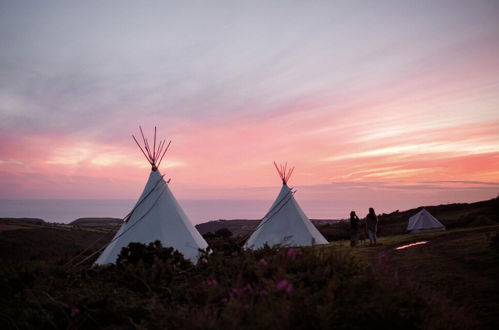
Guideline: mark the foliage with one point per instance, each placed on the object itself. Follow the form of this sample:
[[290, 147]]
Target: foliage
[[494, 241], [314, 288], [154, 287]]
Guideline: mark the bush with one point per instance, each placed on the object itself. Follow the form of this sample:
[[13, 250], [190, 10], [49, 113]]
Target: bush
[[494, 241], [155, 287], [481, 220], [136, 253]]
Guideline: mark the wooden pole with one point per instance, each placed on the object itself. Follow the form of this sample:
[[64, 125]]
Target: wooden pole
[[142, 150], [277, 169], [146, 146], [160, 147], [154, 148], [289, 174], [166, 149], [149, 150]]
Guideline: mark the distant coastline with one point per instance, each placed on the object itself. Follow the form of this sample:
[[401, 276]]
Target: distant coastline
[[198, 211], [453, 215]]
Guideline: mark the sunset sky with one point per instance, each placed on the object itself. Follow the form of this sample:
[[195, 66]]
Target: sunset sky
[[385, 103]]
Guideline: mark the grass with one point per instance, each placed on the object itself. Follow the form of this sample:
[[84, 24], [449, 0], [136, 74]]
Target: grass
[[449, 283], [458, 267], [459, 264], [46, 243]]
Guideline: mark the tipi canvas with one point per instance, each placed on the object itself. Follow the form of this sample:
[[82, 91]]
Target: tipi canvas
[[423, 221], [285, 223], [156, 216]]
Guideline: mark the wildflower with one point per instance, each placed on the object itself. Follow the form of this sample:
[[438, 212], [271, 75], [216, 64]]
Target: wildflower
[[262, 292], [292, 254], [247, 288], [263, 262], [234, 293], [284, 285], [383, 258], [74, 311], [212, 282]]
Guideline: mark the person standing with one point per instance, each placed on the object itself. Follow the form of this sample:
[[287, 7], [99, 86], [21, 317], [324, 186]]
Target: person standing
[[354, 229], [362, 232], [372, 226]]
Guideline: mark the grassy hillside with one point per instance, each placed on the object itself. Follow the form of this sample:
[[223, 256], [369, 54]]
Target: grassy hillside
[[462, 266], [242, 227], [152, 287], [450, 282], [457, 268], [236, 226], [55, 244], [451, 215], [20, 223], [459, 215], [27, 221], [110, 223]]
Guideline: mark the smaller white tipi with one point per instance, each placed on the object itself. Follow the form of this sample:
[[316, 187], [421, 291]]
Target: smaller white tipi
[[156, 216], [423, 221], [285, 223]]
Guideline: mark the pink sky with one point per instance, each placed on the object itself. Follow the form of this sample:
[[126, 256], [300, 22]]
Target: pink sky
[[395, 105]]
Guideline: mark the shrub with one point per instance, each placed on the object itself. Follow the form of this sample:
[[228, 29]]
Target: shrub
[[494, 241], [155, 287], [481, 220], [149, 254]]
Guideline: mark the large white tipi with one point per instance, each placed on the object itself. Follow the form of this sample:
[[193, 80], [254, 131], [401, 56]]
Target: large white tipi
[[156, 216], [285, 223], [423, 221]]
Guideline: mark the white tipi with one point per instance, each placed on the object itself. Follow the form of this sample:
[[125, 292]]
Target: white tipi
[[285, 223], [423, 221], [156, 216]]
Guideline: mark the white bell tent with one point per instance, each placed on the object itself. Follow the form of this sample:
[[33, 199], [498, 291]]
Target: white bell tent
[[423, 221], [285, 223], [156, 216]]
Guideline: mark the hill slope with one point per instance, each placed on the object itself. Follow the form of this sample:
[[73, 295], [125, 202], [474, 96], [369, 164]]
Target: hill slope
[[97, 222], [457, 215], [451, 215]]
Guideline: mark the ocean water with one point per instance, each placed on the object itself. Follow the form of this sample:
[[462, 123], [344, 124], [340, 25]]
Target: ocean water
[[198, 211]]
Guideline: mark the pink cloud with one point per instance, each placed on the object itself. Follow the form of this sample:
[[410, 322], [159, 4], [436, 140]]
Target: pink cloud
[[435, 120]]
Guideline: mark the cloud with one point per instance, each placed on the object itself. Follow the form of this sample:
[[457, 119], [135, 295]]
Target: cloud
[[323, 86], [431, 148]]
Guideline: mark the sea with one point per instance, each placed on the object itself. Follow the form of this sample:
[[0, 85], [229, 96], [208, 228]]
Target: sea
[[198, 211]]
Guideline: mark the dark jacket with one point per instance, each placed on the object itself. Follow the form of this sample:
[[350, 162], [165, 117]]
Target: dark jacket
[[354, 223], [372, 222]]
